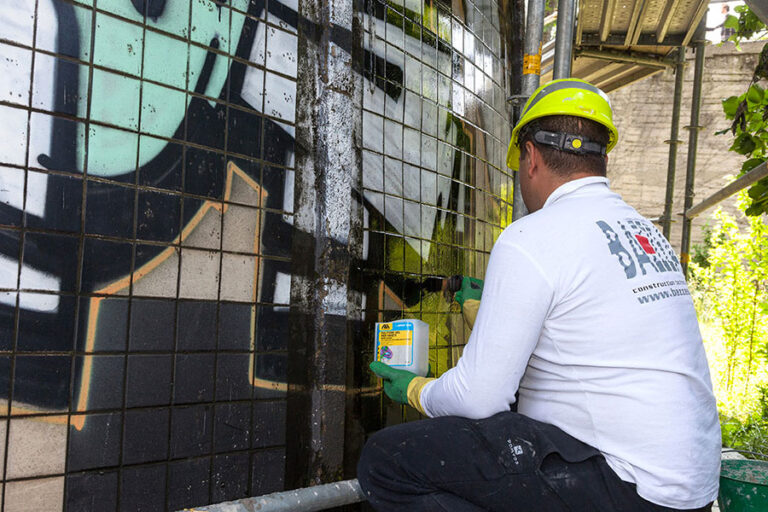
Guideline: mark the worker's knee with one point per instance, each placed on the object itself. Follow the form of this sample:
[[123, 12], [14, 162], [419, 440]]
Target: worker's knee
[[374, 459], [392, 457], [415, 450]]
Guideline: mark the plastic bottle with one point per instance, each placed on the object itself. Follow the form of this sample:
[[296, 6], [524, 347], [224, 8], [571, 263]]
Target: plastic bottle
[[403, 344]]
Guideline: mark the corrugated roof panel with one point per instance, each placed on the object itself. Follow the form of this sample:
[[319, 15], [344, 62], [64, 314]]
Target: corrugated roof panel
[[591, 15], [637, 22], [622, 15], [652, 14], [683, 15], [621, 41]]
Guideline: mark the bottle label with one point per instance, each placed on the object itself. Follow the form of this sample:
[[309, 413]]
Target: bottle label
[[394, 343]]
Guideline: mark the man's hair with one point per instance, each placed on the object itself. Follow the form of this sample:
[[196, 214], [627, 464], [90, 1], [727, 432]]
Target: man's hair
[[564, 163]]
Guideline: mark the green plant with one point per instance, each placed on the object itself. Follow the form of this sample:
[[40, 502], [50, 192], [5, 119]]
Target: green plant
[[701, 251], [729, 282], [749, 111], [750, 436], [746, 25]]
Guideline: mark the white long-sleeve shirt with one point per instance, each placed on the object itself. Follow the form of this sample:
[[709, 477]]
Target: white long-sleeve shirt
[[586, 312]]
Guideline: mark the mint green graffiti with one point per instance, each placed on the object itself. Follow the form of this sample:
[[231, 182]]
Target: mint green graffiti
[[128, 48]]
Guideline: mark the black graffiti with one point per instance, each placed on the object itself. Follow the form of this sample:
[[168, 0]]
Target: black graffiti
[[151, 8]]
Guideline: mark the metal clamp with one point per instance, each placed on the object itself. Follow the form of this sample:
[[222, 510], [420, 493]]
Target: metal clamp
[[517, 99]]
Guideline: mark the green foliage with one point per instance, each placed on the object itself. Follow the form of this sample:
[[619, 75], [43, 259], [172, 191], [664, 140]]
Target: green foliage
[[701, 251], [751, 434], [749, 112], [747, 25], [729, 281]]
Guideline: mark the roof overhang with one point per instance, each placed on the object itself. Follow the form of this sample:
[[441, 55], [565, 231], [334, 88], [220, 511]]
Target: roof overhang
[[617, 42]]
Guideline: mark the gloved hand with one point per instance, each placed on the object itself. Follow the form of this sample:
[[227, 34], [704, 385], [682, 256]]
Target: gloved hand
[[471, 289], [395, 381]]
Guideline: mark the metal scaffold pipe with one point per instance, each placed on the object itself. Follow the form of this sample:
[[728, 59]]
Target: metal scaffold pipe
[[693, 141], [534, 27], [753, 176], [619, 56], [566, 15], [307, 499], [673, 141]]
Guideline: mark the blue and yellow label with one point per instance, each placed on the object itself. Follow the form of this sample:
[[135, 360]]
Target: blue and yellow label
[[394, 343]]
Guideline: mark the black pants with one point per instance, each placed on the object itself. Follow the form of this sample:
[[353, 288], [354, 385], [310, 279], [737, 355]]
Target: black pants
[[506, 463]]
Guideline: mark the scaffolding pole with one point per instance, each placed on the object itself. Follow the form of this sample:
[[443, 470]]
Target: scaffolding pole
[[566, 15], [693, 140], [307, 499], [753, 176], [673, 141], [534, 27]]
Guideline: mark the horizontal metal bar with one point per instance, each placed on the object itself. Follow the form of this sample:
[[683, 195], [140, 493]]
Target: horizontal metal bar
[[306, 499], [697, 17], [593, 39], [629, 57], [756, 174], [630, 78], [605, 29]]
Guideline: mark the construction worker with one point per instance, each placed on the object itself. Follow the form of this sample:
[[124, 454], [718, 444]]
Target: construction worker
[[586, 314]]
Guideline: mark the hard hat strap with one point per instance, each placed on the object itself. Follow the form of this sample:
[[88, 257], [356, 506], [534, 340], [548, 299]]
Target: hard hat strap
[[569, 142]]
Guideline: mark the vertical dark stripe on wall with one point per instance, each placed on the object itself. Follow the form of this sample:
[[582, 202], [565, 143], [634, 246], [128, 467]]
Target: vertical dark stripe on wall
[[327, 172], [63, 148]]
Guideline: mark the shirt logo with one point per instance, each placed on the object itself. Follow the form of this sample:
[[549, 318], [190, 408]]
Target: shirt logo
[[639, 254], [645, 244]]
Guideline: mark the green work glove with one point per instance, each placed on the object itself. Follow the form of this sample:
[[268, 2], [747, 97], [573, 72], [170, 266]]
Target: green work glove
[[471, 289], [395, 381]]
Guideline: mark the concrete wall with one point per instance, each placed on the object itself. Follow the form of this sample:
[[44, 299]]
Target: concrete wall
[[642, 112], [191, 265]]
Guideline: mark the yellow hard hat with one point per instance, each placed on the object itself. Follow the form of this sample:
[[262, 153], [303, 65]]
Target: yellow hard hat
[[564, 97]]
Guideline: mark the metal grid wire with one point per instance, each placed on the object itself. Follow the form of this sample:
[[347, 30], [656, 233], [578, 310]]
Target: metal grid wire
[[436, 189], [145, 219], [146, 214]]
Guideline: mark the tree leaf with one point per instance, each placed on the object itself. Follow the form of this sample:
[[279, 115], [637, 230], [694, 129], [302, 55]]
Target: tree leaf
[[743, 144], [751, 164], [731, 21], [757, 191], [755, 94], [730, 105]]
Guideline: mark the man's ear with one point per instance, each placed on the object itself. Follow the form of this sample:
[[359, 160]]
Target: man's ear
[[534, 158]]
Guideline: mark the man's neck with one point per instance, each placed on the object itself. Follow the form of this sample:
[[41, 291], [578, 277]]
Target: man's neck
[[556, 181]]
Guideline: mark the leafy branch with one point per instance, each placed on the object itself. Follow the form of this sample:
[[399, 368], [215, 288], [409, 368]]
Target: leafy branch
[[729, 283], [746, 25], [749, 111]]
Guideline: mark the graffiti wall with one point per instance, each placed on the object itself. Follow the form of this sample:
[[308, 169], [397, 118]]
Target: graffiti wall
[[147, 163], [435, 130]]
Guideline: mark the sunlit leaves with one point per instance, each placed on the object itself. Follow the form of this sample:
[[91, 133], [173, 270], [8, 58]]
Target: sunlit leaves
[[746, 25], [730, 287], [749, 112]]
